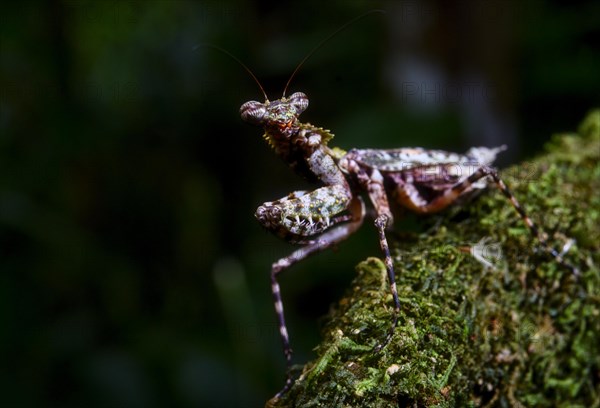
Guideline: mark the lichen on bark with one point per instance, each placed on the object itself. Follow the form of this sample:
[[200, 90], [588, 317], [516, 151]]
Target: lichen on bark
[[523, 332]]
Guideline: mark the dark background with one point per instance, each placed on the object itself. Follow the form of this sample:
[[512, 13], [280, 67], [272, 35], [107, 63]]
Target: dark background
[[132, 271]]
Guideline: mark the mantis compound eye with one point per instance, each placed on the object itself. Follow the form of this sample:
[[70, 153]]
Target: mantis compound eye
[[253, 112], [299, 101]]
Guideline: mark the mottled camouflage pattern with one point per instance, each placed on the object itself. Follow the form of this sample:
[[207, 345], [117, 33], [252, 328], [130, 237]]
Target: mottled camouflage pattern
[[420, 180]]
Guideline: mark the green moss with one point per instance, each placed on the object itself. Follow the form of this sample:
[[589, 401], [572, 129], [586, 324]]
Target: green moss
[[524, 333]]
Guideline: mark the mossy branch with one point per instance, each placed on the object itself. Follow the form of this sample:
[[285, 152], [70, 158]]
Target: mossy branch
[[523, 332]]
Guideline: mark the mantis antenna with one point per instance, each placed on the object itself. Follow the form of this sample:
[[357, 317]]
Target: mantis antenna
[[329, 37], [310, 54], [224, 51]]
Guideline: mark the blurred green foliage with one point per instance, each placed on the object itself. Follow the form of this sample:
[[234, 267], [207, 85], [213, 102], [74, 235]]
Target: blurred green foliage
[[132, 272]]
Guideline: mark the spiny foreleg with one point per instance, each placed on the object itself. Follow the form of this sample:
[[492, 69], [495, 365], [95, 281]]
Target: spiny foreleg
[[301, 215], [326, 240]]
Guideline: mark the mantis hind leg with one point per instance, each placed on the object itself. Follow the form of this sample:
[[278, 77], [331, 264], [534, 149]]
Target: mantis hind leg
[[449, 196]]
